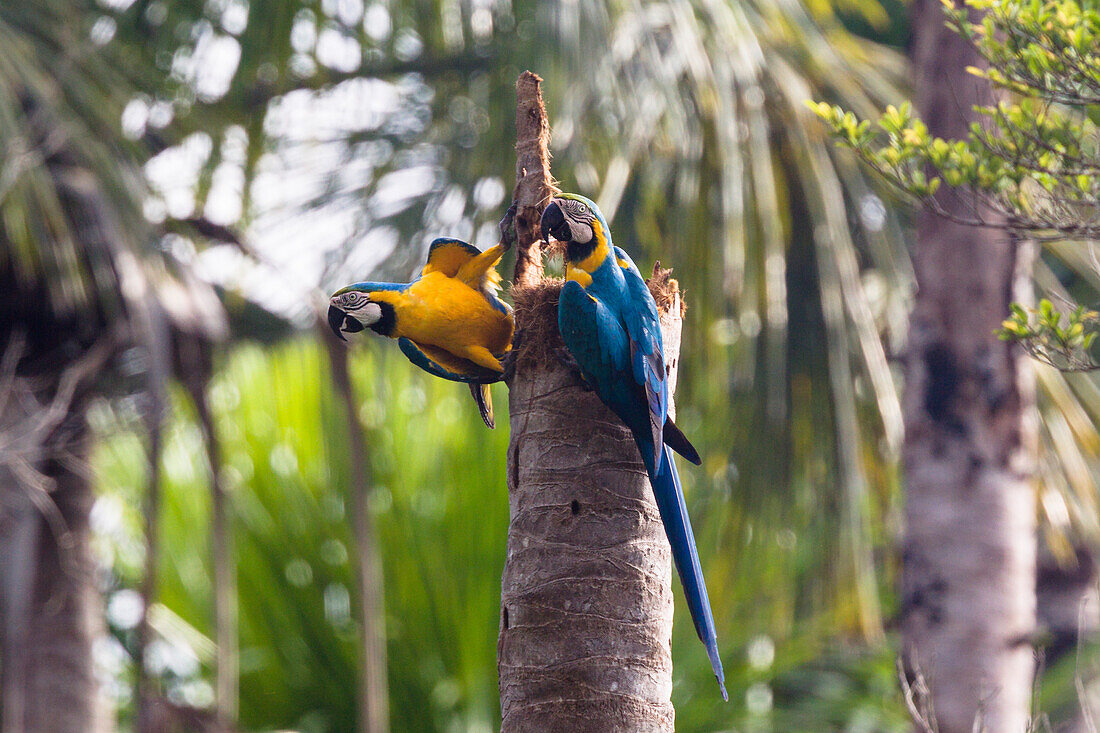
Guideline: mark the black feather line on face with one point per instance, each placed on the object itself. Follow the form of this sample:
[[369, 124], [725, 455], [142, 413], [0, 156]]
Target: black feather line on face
[[573, 209], [385, 325], [575, 251]]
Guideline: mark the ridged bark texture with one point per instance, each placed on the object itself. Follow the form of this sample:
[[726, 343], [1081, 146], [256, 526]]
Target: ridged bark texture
[[586, 604], [968, 579]]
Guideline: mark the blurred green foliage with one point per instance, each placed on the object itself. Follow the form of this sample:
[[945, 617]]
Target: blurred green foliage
[[1032, 157], [440, 506], [441, 510]]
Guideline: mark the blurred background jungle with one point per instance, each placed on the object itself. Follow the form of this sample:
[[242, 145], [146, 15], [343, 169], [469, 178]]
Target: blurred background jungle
[[182, 183]]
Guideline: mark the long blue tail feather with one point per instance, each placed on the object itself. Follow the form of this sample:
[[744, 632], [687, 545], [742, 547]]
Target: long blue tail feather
[[670, 503]]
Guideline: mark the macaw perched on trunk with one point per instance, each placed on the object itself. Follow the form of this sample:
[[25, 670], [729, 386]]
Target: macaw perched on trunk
[[609, 322], [448, 321]]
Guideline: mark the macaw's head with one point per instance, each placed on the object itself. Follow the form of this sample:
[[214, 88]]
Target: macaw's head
[[363, 305], [577, 222]]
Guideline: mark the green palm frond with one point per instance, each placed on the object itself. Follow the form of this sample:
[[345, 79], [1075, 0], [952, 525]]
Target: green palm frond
[[77, 254], [1069, 408], [59, 109]]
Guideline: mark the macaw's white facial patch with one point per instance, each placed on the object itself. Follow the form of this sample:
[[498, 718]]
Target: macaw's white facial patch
[[572, 208], [582, 233], [369, 314]]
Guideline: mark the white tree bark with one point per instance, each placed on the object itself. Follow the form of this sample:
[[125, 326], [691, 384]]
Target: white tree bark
[[968, 585]]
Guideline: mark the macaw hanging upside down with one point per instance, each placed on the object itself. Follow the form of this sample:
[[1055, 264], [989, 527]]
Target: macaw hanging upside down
[[609, 323], [448, 321]]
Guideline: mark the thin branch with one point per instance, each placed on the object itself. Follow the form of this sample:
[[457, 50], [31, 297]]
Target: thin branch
[[259, 95], [918, 699]]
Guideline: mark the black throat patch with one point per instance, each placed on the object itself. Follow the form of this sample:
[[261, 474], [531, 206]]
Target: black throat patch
[[385, 325], [575, 251]]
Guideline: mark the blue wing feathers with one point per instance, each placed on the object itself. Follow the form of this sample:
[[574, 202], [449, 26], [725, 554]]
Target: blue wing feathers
[[670, 503], [613, 331], [644, 326], [497, 303], [591, 333], [678, 442], [473, 373]]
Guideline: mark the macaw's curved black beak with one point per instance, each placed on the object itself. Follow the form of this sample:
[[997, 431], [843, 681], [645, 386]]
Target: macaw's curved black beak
[[554, 224], [336, 321], [342, 323]]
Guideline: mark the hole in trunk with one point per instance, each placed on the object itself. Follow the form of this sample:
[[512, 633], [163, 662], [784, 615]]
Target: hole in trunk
[[506, 617], [575, 507]]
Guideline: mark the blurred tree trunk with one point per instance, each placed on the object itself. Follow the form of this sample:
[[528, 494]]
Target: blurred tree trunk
[[586, 599], [194, 356], [968, 579], [49, 602], [144, 693], [62, 692], [374, 710]]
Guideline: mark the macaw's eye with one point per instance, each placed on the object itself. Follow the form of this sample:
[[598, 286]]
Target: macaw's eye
[[352, 300], [574, 207]]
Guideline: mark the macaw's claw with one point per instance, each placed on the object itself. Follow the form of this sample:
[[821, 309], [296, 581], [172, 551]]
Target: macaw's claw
[[508, 360], [508, 227]]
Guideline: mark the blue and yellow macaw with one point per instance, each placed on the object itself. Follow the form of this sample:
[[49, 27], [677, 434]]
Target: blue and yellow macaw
[[609, 322], [448, 321]]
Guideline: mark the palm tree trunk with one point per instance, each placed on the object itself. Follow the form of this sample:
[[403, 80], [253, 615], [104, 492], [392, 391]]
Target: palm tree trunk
[[225, 577], [586, 598], [150, 321], [968, 579], [20, 530]]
